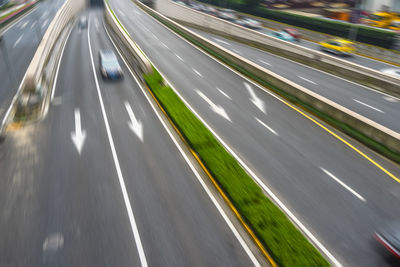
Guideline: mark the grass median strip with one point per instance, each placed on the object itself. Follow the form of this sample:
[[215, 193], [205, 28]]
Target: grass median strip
[[283, 240]]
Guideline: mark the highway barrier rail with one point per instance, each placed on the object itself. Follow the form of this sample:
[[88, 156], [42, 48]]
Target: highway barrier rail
[[310, 57], [35, 87], [372, 134], [272, 231]]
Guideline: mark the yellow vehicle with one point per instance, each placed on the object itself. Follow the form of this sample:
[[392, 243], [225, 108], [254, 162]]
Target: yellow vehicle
[[395, 25], [381, 19], [339, 47]]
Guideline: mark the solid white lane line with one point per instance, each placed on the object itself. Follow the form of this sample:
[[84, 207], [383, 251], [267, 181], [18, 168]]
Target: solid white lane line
[[181, 59], [18, 40], [369, 106], [221, 41], [343, 184], [266, 126], [196, 173], [307, 80], [264, 62], [198, 73], [224, 94], [125, 195]]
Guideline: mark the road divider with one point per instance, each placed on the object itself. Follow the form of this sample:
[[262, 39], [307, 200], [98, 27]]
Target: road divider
[[316, 59], [275, 235], [374, 135], [35, 89]]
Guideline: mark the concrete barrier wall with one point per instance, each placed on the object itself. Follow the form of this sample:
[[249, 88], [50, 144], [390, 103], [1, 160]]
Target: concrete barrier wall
[[357, 73], [362, 124], [131, 51], [35, 69]]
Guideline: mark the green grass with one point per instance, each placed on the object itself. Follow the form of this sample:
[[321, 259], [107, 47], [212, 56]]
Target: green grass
[[283, 240]]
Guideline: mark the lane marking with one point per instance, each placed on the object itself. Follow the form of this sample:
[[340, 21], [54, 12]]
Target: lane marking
[[33, 24], [266, 126], [264, 62], [390, 99], [290, 105], [224, 94], [307, 80], [194, 170], [166, 46], [221, 41], [369, 106], [181, 59], [24, 24], [198, 73], [125, 195], [44, 23], [18, 40], [343, 184], [237, 51]]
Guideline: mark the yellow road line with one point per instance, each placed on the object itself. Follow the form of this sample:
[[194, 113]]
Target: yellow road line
[[219, 189], [344, 141]]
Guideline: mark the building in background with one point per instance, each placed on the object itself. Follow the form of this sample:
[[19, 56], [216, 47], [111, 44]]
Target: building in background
[[380, 5]]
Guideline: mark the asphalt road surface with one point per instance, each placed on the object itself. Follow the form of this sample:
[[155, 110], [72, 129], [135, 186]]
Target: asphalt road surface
[[338, 189], [81, 188]]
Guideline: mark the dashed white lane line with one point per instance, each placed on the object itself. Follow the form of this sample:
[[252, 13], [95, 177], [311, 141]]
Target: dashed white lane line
[[266, 126], [221, 41], [24, 24], [18, 40], [390, 99], [369, 106], [224, 94], [264, 62], [343, 184], [125, 195], [307, 80], [44, 23], [33, 24], [198, 73], [237, 51], [181, 59], [166, 46]]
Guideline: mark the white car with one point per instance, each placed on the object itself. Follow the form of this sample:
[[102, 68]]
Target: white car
[[249, 23], [392, 72], [227, 14]]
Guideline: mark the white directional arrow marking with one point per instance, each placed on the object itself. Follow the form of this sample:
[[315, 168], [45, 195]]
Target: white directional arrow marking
[[253, 98], [79, 136], [216, 108], [135, 125]]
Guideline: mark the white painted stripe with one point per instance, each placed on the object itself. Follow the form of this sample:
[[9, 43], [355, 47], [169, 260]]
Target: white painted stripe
[[44, 23], [224, 94], [194, 170], [18, 40], [343, 184], [181, 59], [369, 106], [307, 80], [221, 41], [390, 99], [266, 126], [166, 46], [264, 62], [24, 24], [198, 73], [125, 195], [33, 24], [237, 51]]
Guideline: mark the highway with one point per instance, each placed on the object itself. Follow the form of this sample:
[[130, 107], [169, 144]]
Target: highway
[[82, 188], [372, 104], [338, 194], [19, 43]]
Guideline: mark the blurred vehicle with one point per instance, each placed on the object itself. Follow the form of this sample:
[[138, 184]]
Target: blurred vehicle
[[227, 14], [395, 25], [283, 36], [83, 23], [389, 238], [181, 3], [249, 23], [381, 19], [392, 72], [210, 10], [339, 47], [197, 7], [109, 65], [296, 35]]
